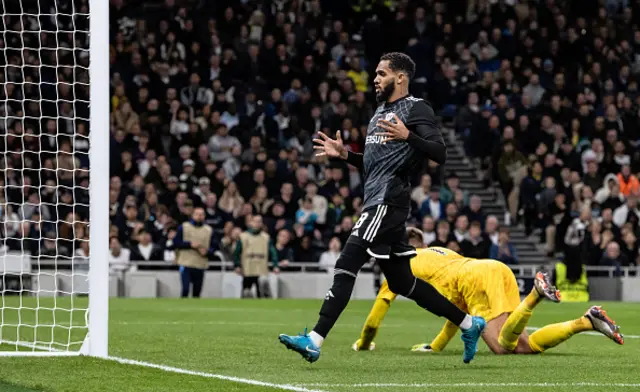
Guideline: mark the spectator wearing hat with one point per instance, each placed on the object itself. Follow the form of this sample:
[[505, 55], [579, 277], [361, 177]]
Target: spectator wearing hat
[[187, 179], [195, 245], [203, 190]]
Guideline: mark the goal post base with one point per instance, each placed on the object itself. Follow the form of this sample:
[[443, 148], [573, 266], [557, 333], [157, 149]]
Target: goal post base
[[34, 350], [39, 353]]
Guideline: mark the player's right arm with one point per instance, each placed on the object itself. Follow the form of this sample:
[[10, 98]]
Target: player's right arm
[[421, 131], [374, 319], [334, 148], [447, 332]]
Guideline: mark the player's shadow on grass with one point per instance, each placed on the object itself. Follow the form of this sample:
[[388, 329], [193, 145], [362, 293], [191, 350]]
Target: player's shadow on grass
[[8, 387], [487, 354], [483, 354]]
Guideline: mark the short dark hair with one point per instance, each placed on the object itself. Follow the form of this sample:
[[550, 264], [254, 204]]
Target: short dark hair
[[400, 62]]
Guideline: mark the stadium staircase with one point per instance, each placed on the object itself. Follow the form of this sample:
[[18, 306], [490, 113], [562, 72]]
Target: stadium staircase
[[492, 200]]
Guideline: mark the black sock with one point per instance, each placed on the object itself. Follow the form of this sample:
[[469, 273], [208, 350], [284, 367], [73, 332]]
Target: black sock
[[427, 297], [334, 303], [402, 281], [351, 259]]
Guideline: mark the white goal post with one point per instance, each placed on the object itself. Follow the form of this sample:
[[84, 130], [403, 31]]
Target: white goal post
[[54, 177]]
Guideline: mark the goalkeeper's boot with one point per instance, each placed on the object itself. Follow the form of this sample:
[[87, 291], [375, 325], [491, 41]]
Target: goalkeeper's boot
[[545, 289], [302, 344], [359, 346], [470, 338], [603, 324]]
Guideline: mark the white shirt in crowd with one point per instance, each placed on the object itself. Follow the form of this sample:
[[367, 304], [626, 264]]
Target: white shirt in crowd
[[328, 260], [145, 250], [121, 261], [428, 237]]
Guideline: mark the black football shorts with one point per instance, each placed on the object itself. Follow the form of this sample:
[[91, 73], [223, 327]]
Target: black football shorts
[[382, 231]]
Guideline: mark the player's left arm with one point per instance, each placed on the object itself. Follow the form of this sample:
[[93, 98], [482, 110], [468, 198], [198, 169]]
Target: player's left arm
[[447, 333], [420, 130]]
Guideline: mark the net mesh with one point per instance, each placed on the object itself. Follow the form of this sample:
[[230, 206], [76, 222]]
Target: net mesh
[[44, 183]]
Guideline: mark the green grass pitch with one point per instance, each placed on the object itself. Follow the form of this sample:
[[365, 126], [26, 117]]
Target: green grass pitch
[[238, 338]]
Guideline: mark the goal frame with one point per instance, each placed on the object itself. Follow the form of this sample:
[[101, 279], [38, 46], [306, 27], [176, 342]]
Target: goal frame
[[96, 341]]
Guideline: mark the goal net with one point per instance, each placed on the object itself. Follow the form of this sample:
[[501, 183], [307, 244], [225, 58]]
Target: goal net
[[54, 161]]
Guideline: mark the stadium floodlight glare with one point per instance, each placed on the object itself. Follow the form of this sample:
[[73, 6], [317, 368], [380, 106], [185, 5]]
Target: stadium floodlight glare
[[54, 182]]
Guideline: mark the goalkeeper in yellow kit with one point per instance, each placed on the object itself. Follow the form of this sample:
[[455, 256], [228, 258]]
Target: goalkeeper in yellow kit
[[489, 289]]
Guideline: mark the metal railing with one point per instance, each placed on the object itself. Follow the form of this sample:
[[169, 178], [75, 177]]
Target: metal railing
[[521, 270]]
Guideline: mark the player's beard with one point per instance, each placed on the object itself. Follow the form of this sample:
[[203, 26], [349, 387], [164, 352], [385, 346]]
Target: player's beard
[[386, 92]]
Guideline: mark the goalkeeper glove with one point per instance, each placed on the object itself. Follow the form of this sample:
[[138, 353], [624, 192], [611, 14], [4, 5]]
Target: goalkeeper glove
[[422, 347]]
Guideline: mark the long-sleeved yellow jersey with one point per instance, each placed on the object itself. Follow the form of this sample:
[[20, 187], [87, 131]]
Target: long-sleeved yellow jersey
[[481, 287]]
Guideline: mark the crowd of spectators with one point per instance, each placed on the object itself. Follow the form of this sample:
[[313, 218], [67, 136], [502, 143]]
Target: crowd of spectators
[[215, 104], [550, 110]]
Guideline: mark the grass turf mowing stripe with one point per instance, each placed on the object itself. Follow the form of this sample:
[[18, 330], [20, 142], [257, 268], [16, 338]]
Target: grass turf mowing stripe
[[7, 387], [477, 385], [285, 387], [278, 324]]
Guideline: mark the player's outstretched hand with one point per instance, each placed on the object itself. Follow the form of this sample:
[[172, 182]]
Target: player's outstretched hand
[[394, 131], [332, 148], [422, 348]]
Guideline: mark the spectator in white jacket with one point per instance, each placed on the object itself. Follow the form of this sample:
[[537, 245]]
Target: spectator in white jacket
[[118, 256], [627, 212], [328, 258], [610, 182]]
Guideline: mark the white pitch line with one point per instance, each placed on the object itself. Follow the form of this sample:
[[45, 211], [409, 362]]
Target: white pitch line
[[477, 385], [285, 387], [247, 323]]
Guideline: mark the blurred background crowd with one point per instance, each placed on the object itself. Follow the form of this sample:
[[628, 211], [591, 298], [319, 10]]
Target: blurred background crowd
[[214, 104]]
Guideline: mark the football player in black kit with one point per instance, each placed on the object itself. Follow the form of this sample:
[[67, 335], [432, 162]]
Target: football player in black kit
[[401, 135]]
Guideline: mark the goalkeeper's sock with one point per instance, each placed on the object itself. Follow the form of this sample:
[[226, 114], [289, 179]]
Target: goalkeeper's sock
[[371, 325], [518, 319], [554, 334]]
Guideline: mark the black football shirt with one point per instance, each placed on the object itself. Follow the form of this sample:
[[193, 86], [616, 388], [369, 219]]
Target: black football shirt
[[388, 167]]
